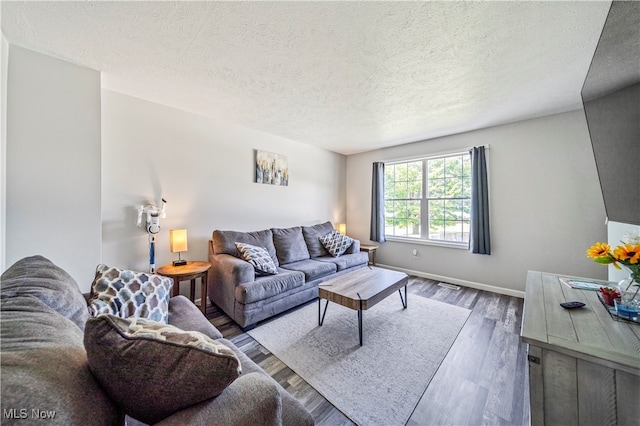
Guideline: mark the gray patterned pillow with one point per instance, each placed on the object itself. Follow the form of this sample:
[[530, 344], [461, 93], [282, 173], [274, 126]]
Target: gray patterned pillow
[[258, 257], [336, 243], [125, 294], [152, 370]]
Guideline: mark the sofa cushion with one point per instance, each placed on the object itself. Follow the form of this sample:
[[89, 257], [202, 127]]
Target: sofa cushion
[[153, 370], [336, 243], [268, 286], [38, 277], [311, 235], [43, 366], [293, 413], [258, 257], [290, 244], [125, 293], [225, 242], [354, 247], [346, 261], [311, 269], [187, 316], [252, 399]]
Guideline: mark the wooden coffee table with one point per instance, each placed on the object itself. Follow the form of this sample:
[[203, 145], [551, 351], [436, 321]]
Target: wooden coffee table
[[360, 290]]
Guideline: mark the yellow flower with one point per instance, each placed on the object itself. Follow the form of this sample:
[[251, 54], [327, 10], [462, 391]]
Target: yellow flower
[[628, 253], [598, 250]]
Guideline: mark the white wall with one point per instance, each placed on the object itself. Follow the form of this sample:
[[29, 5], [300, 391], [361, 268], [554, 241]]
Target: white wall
[[4, 60], [615, 232], [53, 163], [205, 171], [545, 199], [546, 202]]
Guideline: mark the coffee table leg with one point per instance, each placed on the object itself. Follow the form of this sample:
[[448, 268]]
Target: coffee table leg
[[405, 300], [321, 319]]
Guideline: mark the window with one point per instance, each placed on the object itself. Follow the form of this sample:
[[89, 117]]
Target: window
[[429, 199]]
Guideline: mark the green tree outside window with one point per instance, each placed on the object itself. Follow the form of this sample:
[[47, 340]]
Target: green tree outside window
[[429, 198]]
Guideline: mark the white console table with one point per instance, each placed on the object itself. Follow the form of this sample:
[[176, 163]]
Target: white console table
[[584, 367]]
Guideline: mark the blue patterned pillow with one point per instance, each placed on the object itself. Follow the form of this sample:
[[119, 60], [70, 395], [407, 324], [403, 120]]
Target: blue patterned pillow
[[336, 243], [258, 257], [125, 294]]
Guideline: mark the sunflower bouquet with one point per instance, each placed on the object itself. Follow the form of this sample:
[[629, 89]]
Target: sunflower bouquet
[[625, 255]]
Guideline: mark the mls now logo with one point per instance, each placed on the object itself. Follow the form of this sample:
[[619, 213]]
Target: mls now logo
[[23, 413], [15, 413]]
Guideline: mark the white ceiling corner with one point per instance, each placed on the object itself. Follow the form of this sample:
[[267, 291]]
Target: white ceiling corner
[[345, 76]]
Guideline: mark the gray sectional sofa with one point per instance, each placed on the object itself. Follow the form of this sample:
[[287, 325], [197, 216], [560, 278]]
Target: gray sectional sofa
[[302, 263], [46, 375]]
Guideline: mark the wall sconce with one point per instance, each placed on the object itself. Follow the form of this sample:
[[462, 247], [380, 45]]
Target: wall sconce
[[342, 228], [178, 242]]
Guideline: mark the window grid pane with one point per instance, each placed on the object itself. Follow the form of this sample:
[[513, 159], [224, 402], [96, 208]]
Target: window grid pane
[[403, 184]]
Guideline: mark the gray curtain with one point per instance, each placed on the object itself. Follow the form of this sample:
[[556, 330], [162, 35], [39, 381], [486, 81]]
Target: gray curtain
[[377, 204], [479, 240]]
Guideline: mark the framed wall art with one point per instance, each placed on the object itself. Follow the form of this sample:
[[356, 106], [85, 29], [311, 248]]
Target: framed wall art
[[272, 169]]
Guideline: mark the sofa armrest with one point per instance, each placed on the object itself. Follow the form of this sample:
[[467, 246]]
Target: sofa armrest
[[226, 273], [354, 247], [251, 399], [186, 316], [228, 268]]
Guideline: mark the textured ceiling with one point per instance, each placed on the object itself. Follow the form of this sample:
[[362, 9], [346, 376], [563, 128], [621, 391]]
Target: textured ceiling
[[345, 76]]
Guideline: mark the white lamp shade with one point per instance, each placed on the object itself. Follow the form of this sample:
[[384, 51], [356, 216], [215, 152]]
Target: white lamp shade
[[342, 228], [178, 240]]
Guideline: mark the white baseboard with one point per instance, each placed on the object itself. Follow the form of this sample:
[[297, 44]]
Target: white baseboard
[[464, 283]]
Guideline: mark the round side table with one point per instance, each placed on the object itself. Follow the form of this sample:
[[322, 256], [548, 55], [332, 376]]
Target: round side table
[[189, 272]]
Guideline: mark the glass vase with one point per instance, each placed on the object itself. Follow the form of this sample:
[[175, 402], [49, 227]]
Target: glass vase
[[628, 305]]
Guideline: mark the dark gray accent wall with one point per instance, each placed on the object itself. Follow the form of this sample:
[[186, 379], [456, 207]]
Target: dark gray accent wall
[[611, 97], [614, 126]]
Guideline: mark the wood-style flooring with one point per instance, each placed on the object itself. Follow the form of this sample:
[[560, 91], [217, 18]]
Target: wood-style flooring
[[482, 381]]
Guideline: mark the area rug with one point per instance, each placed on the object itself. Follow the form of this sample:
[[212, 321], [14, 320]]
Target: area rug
[[381, 382]]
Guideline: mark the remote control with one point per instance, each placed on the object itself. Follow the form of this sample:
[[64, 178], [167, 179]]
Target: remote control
[[572, 305]]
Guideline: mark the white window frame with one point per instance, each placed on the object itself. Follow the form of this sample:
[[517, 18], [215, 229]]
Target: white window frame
[[424, 212]]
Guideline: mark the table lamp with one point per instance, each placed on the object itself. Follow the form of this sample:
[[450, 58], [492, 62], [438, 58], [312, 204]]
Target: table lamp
[[178, 242], [342, 228]]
